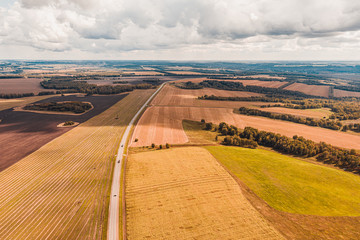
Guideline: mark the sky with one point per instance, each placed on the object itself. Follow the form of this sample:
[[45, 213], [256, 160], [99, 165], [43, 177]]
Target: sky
[[180, 29]]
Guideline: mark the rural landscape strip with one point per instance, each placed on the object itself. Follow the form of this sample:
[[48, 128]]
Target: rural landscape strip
[[185, 194], [114, 210], [60, 191]]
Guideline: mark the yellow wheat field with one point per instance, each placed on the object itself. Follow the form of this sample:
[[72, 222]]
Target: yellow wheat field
[[184, 193], [61, 190]]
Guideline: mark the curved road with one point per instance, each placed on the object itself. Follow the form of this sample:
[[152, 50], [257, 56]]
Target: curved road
[[113, 221]]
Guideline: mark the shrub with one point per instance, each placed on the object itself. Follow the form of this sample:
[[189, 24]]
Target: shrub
[[69, 123]]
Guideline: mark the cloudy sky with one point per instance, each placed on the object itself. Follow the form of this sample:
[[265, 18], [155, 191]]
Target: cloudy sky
[[180, 29]]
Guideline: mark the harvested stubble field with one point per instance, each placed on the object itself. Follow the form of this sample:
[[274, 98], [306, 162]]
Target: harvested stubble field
[[23, 132], [161, 124], [343, 93], [312, 113], [186, 73], [140, 73], [21, 85], [268, 84], [173, 96], [184, 193], [315, 90], [61, 190], [263, 76]]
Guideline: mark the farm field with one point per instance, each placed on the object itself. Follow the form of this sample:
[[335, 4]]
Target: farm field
[[140, 73], [16, 102], [268, 84], [312, 113], [173, 96], [182, 72], [21, 85], [263, 76], [61, 190], [161, 124], [183, 193], [343, 93], [291, 186], [23, 132], [315, 90]]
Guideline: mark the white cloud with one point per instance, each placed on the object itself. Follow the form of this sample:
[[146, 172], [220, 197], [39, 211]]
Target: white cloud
[[174, 25]]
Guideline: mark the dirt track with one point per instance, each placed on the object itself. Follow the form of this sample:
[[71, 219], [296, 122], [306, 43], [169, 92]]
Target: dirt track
[[184, 193]]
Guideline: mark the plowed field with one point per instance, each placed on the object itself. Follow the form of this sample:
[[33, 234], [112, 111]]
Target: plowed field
[[21, 85], [173, 96], [313, 113], [315, 90], [342, 93]]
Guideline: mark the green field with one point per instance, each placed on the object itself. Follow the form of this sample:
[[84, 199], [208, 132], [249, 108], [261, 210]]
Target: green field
[[291, 185]]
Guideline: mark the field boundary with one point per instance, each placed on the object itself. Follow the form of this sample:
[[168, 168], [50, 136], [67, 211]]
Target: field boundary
[[113, 222]]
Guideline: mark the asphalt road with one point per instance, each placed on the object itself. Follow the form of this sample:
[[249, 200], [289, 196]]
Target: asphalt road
[[113, 221]]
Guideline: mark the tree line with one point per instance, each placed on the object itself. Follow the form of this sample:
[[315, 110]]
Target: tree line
[[346, 109], [244, 99], [84, 87], [15, 95], [324, 123], [189, 85], [73, 106], [238, 86], [297, 145]]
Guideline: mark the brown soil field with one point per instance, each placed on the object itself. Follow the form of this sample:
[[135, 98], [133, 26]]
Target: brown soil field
[[262, 76], [268, 84], [315, 90], [193, 79], [173, 96], [17, 102], [184, 193], [139, 73], [189, 73], [313, 113], [23, 132], [21, 85], [61, 191], [342, 93], [162, 124]]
